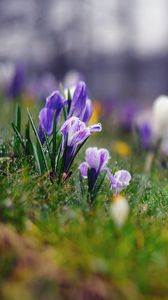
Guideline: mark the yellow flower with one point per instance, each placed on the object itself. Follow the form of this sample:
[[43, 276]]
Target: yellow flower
[[121, 148], [97, 109]]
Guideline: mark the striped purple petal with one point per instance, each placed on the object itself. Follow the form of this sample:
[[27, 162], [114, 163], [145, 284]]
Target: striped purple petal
[[119, 180], [83, 169], [96, 128], [104, 158]]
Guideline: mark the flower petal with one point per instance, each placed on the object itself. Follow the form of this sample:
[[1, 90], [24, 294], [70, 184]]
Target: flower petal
[[80, 137], [55, 102], [46, 120], [119, 180], [96, 127], [104, 157], [92, 158], [79, 100], [123, 177], [83, 169]]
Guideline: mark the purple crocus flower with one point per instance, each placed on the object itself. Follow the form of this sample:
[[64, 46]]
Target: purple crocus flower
[[53, 107], [119, 180], [80, 106], [96, 161], [145, 132], [143, 125], [78, 102], [16, 85], [75, 133]]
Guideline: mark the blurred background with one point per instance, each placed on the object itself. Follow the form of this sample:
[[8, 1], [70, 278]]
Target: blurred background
[[119, 46]]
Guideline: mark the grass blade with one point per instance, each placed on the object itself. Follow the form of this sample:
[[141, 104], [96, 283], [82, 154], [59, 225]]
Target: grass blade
[[54, 148], [18, 127]]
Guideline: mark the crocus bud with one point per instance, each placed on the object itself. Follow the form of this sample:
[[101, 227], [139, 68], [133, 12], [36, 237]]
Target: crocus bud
[[119, 210], [160, 117]]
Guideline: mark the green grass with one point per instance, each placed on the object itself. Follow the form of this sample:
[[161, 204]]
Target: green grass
[[53, 246]]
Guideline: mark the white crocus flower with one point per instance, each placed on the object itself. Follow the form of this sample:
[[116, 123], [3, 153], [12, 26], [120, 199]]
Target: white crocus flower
[[160, 117], [119, 210]]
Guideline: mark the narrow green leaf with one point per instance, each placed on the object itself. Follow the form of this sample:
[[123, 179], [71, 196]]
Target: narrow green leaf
[[99, 184], [28, 142], [18, 136], [59, 149], [18, 118], [47, 145], [40, 150], [36, 156], [69, 100]]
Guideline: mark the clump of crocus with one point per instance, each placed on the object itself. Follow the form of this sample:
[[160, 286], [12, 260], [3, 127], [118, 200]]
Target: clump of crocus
[[119, 210], [95, 164], [73, 104], [77, 110], [57, 141]]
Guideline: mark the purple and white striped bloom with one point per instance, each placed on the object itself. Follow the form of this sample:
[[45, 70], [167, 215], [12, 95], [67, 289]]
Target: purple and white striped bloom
[[53, 107], [119, 180], [75, 133], [96, 161]]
